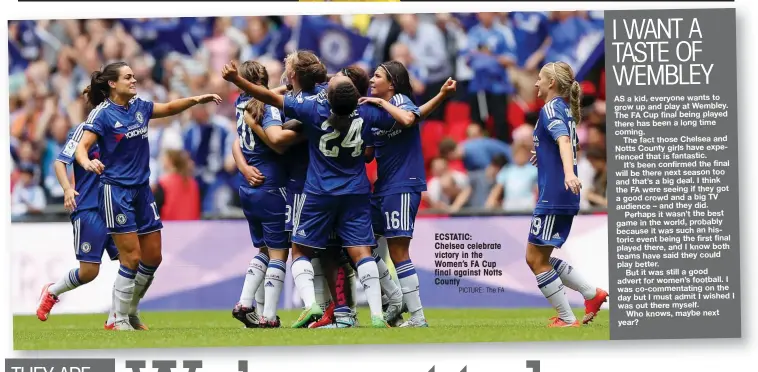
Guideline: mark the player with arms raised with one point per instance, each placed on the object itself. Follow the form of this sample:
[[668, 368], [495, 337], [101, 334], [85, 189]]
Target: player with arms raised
[[400, 181], [118, 125], [555, 147], [91, 238], [336, 194]]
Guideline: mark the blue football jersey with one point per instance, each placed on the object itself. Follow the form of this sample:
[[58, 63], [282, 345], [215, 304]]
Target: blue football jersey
[[555, 120], [297, 155], [337, 164], [256, 152], [399, 160], [123, 142], [85, 183]]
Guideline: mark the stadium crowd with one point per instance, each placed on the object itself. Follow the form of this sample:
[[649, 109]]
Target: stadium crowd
[[477, 146]]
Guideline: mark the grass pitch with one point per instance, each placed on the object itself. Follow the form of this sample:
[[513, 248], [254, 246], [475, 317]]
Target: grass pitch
[[218, 329]]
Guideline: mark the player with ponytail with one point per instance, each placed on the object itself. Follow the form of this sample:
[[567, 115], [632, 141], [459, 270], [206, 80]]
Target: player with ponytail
[[555, 149]]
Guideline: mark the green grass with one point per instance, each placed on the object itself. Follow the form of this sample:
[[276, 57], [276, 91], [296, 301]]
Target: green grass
[[219, 329]]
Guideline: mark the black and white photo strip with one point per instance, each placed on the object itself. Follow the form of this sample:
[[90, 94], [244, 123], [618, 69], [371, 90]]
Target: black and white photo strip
[[384, 185]]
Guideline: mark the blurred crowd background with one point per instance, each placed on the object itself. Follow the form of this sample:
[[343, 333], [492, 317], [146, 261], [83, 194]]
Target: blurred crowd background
[[476, 146]]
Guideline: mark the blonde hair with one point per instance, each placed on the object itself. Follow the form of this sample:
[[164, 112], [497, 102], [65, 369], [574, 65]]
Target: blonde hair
[[307, 68], [567, 86]]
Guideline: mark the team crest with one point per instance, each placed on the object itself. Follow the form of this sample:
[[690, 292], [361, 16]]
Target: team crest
[[121, 219], [140, 118], [86, 247]]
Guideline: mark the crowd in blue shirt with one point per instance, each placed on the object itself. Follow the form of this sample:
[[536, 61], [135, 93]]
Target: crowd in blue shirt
[[50, 63]]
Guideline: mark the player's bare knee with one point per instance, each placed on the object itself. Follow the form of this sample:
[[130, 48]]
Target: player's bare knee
[[533, 258], [131, 258], [399, 255], [277, 254], [399, 249], [152, 258], [358, 253], [88, 272]]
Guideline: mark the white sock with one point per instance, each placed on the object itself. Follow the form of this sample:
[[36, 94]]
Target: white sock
[[65, 284], [389, 288], [571, 278], [123, 289], [406, 273], [260, 299], [302, 272], [319, 284], [141, 283], [369, 277], [256, 272], [552, 287], [273, 287], [383, 251]]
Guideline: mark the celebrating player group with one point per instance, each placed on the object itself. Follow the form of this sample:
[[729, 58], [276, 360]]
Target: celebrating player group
[[302, 149]]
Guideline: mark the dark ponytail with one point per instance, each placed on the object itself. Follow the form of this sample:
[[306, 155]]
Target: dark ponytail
[[359, 77], [343, 99], [99, 90], [257, 74]]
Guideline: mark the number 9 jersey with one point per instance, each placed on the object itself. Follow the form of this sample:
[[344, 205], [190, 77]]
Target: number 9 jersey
[[556, 206]]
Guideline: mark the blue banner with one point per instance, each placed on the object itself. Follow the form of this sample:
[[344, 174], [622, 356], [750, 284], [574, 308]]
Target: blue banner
[[336, 45]]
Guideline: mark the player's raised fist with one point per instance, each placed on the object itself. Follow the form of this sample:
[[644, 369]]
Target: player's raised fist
[[449, 87], [229, 72]]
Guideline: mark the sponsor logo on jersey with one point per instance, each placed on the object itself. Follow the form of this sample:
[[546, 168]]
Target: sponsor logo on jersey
[[136, 132]]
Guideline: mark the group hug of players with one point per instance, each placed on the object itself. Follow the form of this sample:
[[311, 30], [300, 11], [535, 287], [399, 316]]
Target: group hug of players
[[302, 150]]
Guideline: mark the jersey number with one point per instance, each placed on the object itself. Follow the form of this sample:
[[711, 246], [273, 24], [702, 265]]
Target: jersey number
[[247, 141], [352, 139], [393, 222], [536, 225]]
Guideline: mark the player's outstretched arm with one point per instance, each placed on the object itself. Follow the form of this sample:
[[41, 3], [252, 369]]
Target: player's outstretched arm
[[69, 194], [82, 151], [447, 90], [402, 117], [230, 74], [567, 158], [177, 106]]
